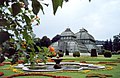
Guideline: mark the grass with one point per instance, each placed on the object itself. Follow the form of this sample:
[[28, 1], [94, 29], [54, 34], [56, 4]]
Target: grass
[[115, 72], [88, 58]]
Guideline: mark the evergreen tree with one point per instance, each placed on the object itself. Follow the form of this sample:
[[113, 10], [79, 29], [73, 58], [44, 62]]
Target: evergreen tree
[[116, 43], [110, 45], [105, 45]]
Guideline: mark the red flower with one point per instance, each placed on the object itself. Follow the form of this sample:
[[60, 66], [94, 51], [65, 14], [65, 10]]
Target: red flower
[[36, 74], [61, 77], [1, 64], [1, 73]]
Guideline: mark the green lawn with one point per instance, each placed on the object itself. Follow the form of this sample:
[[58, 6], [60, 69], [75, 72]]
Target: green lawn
[[115, 72]]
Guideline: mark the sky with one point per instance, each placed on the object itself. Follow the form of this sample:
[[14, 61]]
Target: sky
[[101, 18]]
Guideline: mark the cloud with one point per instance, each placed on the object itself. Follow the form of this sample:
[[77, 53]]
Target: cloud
[[99, 17], [104, 22]]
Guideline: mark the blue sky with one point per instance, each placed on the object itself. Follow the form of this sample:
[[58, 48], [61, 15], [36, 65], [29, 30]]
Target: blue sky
[[100, 17]]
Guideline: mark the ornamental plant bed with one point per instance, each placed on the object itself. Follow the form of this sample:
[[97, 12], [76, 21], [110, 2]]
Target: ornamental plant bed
[[112, 64], [98, 75], [35, 74], [108, 63], [75, 74]]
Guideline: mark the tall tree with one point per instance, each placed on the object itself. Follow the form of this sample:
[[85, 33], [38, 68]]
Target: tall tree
[[105, 45], [110, 45], [116, 43]]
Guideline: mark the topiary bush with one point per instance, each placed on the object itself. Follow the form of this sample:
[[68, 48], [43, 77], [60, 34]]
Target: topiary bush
[[107, 54], [93, 53], [76, 54]]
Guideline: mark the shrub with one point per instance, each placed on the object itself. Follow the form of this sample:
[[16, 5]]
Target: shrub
[[107, 54], [52, 54], [93, 53], [76, 54]]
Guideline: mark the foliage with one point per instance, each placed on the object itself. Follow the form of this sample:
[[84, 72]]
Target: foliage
[[52, 54], [17, 17], [56, 38], [108, 45], [116, 43], [107, 54], [46, 42], [56, 4], [76, 54]]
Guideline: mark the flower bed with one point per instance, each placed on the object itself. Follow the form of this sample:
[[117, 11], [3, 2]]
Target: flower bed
[[1, 64], [35, 74], [98, 75], [1, 73]]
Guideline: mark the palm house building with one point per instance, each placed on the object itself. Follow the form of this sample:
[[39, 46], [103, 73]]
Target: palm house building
[[71, 42]]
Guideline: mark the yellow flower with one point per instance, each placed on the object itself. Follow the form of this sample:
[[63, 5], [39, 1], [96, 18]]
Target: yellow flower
[[85, 71], [15, 70], [109, 68], [13, 65], [20, 72]]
